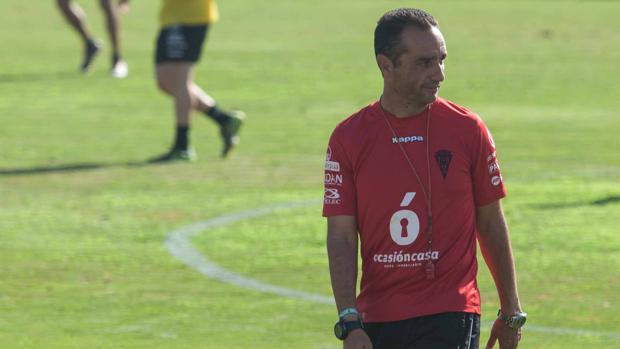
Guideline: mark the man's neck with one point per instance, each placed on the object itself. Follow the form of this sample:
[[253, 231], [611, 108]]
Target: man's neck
[[399, 107]]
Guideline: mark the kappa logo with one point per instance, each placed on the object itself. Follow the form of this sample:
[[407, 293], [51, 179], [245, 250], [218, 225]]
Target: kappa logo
[[409, 139], [443, 157], [328, 156]]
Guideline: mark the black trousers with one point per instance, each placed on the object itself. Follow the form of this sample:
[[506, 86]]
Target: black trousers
[[438, 331]]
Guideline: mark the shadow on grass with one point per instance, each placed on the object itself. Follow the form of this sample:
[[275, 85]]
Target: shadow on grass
[[78, 167], [612, 199], [608, 200]]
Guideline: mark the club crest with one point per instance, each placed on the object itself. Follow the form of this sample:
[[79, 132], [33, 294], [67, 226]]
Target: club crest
[[443, 157]]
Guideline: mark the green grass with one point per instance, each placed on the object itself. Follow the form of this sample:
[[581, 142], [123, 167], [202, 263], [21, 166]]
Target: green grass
[[83, 258]]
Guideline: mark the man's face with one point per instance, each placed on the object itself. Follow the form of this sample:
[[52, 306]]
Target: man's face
[[419, 71]]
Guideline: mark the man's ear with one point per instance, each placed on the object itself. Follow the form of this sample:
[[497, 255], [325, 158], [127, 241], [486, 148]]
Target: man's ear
[[385, 64]]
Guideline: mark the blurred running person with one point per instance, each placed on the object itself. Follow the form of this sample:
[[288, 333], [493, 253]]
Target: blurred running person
[[184, 26], [76, 18]]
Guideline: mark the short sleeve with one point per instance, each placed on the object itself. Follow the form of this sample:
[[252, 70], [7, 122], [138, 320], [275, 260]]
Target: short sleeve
[[487, 179], [339, 185]]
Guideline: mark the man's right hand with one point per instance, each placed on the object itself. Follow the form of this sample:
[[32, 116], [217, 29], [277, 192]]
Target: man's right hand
[[357, 339]]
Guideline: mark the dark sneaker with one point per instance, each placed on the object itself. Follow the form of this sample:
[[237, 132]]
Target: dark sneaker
[[175, 154], [230, 131], [92, 48]]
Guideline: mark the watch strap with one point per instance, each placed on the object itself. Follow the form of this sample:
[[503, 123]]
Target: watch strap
[[353, 325], [348, 311]]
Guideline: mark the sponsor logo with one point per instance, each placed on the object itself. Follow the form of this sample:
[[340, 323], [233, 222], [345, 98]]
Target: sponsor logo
[[443, 157], [491, 157], [402, 259], [493, 168], [408, 139], [332, 166], [332, 196], [405, 224], [333, 179], [496, 180], [331, 193]]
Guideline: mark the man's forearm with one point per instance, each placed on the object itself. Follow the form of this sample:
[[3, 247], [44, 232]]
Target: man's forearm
[[495, 246], [342, 254], [498, 257]]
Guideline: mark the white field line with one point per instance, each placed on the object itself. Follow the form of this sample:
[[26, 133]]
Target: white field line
[[180, 246]]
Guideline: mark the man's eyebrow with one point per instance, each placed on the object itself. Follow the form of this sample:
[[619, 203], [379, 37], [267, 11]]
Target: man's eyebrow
[[430, 58]]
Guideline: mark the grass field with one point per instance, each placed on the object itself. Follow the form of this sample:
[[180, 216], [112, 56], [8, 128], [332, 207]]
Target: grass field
[[83, 220]]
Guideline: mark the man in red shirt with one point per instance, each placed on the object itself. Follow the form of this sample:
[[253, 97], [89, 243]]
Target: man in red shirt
[[416, 178]]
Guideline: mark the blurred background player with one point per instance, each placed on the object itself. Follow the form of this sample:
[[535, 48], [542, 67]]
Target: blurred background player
[[184, 25], [75, 16]]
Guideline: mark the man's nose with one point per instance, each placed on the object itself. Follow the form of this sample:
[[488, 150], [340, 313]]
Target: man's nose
[[439, 73]]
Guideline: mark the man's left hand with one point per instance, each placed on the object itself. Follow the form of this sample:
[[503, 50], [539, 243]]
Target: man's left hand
[[507, 337]]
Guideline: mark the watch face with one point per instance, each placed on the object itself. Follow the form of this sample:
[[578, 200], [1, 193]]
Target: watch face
[[339, 330], [518, 321]]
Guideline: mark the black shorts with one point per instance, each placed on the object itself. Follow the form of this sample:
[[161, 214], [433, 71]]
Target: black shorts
[[180, 43], [439, 331]]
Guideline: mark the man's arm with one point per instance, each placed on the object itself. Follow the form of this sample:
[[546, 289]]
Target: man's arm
[[497, 252], [342, 252]]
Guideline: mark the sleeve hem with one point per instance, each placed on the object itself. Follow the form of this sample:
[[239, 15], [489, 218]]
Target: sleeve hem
[[488, 200], [339, 213]]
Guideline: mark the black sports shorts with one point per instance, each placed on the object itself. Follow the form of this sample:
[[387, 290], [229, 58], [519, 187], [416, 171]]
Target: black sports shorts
[[439, 331], [180, 43]]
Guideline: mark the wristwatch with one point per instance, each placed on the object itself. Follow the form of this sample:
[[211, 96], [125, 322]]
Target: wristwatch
[[513, 321], [342, 328]]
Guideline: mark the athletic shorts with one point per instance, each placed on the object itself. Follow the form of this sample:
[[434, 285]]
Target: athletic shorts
[[439, 331], [180, 43]]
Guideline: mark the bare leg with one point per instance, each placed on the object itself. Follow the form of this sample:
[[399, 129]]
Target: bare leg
[[170, 76], [110, 11], [175, 78], [75, 16], [203, 101], [229, 122]]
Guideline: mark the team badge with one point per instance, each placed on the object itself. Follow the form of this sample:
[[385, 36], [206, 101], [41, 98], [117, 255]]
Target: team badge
[[443, 157]]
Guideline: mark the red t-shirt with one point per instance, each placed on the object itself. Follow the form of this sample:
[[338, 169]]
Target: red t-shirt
[[368, 176]]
